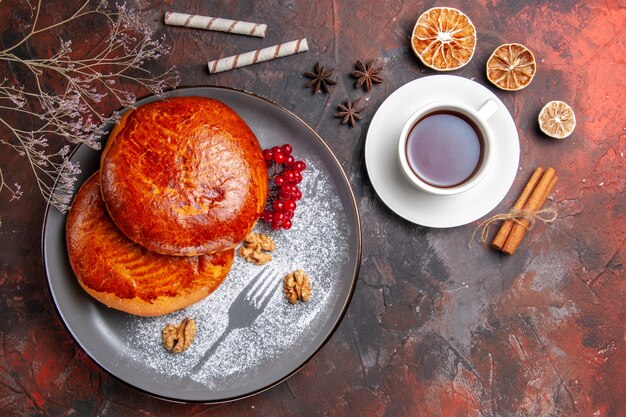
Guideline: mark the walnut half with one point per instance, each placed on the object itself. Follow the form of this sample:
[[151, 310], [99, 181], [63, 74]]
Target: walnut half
[[297, 286], [255, 247], [178, 338], [260, 240]]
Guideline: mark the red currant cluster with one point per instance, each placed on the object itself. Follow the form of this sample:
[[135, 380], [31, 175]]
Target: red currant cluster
[[283, 194]]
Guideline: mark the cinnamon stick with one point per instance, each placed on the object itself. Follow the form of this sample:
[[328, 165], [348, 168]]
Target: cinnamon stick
[[503, 233], [548, 191], [534, 203]]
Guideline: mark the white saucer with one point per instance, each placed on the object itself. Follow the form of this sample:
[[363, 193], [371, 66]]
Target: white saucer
[[397, 192]]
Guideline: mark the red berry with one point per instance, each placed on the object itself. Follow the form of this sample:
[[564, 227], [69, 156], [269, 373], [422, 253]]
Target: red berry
[[288, 188], [279, 180], [278, 217], [290, 161], [297, 178], [286, 148], [268, 154], [269, 163], [290, 205], [288, 214], [275, 226], [267, 216], [296, 194], [284, 194], [289, 176], [278, 205], [279, 158], [287, 224], [277, 149], [299, 166]]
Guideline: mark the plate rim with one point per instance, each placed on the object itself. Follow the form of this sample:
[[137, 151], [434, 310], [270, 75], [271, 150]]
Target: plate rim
[[344, 306], [385, 200]]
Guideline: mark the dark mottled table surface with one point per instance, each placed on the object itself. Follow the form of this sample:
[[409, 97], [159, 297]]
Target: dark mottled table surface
[[433, 328]]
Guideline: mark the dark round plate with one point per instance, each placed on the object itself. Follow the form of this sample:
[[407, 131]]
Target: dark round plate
[[253, 358]]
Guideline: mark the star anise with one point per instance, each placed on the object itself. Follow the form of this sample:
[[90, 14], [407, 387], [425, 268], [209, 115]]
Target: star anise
[[366, 75], [320, 79], [349, 112]]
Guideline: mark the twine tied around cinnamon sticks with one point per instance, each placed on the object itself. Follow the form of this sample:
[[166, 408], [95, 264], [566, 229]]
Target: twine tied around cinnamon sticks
[[546, 215], [523, 215]]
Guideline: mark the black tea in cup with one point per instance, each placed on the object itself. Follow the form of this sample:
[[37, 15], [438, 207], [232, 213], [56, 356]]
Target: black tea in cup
[[445, 148]]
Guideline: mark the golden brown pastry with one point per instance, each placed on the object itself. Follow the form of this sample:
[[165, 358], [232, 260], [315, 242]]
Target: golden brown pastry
[[124, 275], [184, 176]]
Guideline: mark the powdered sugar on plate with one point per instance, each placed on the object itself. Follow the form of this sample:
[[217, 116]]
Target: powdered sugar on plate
[[317, 243]]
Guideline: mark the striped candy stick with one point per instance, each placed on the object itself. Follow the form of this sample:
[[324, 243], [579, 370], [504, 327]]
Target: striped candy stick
[[260, 55], [215, 24]]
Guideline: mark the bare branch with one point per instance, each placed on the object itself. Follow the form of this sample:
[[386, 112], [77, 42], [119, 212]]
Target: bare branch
[[74, 112]]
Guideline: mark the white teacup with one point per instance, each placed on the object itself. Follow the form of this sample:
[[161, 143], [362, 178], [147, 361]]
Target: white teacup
[[436, 136]]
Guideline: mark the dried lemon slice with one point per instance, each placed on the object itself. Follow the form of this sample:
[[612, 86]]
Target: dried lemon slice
[[444, 38], [511, 66], [557, 119]]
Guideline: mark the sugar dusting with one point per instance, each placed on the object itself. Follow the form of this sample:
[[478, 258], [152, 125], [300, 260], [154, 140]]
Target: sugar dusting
[[317, 243]]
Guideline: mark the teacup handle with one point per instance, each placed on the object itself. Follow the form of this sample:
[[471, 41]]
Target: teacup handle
[[488, 109]]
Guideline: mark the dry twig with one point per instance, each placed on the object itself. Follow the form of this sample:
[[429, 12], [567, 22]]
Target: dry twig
[[39, 121]]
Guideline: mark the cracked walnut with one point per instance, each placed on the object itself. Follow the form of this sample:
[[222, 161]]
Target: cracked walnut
[[297, 286], [178, 338], [255, 247]]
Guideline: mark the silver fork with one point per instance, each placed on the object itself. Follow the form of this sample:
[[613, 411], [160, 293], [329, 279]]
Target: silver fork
[[246, 308]]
